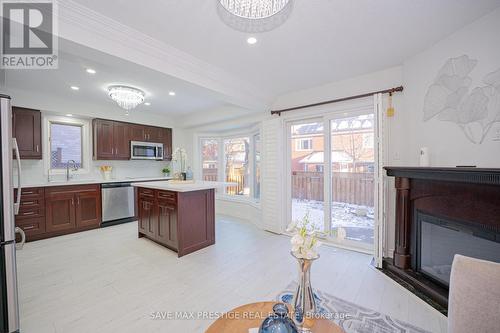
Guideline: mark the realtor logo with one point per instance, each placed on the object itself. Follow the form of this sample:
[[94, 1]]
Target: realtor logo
[[29, 38]]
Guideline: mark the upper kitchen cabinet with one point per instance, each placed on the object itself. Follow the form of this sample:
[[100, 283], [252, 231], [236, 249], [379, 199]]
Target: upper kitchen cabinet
[[137, 132], [111, 140], [27, 129], [167, 144]]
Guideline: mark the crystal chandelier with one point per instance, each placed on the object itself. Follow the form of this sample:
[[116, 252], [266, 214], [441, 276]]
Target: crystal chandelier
[[254, 9], [126, 97], [254, 15]]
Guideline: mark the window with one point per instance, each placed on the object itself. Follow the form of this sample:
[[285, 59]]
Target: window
[[234, 159], [236, 165], [368, 140], [65, 144], [303, 144], [256, 168], [209, 158]]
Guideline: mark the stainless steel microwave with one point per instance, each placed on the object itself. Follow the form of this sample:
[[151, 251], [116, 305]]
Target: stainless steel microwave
[[146, 150]]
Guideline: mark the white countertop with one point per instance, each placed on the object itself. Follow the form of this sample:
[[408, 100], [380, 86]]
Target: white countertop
[[93, 181], [183, 187]]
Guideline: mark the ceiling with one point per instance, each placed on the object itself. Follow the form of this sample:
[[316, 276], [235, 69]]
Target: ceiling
[[322, 41], [75, 59]]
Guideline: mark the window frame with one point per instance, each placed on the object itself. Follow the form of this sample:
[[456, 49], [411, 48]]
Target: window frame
[[86, 152], [298, 144], [221, 164]]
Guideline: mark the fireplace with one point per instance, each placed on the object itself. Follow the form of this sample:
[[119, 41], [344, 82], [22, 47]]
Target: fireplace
[[437, 240], [441, 212]]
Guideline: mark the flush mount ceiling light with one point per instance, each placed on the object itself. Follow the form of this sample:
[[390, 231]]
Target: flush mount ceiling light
[[126, 97], [171, 93], [254, 15], [75, 88], [90, 71]]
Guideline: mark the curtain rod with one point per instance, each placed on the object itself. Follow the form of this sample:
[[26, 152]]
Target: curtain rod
[[386, 91]]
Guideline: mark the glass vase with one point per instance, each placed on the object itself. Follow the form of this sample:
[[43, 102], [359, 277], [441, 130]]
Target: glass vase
[[304, 306]]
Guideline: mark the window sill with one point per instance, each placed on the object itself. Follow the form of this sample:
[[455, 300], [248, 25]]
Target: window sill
[[240, 199]]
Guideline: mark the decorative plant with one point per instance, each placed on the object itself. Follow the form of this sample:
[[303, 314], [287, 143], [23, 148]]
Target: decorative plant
[[165, 170], [304, 241], [180, 156]]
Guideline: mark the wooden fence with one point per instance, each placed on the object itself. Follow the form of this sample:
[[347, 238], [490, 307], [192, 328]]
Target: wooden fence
[[353, 188], [236, 176]]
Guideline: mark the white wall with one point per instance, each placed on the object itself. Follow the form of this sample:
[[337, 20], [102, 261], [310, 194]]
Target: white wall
[[446, 141]]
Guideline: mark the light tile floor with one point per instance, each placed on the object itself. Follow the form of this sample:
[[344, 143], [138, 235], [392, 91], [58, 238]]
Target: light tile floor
[[108, 280]]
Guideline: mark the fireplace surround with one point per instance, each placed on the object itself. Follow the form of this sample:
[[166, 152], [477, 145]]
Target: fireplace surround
[[441, 212]]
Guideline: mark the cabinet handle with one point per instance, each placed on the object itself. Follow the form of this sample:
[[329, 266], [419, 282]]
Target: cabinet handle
[[28, 192], [29, 227], [37, 149], [72, 201], [28, 213], [28, 203], [78, 201]]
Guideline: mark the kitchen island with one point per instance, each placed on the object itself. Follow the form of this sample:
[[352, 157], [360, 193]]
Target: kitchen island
[[177, 215]]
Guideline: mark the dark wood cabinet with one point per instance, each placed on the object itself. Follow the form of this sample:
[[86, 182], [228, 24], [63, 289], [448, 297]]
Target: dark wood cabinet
[[27, 129], [166, 228], [121, 141], [181, 221], [103, 139], [137, 133], [31, 217], [112, 138], [88, 209], [60, 211], [72, 208], [168, 144], [147, 217]]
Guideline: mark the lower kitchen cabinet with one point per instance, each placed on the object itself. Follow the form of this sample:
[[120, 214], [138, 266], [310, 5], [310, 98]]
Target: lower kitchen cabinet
[[88, 208], [166, 224], [146, 217], [53, 211], [31, 217], [181, 221], [60, 211]]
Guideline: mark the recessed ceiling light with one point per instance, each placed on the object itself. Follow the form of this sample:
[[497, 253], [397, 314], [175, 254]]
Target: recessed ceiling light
[[69, 115], [171, 93], [91, 71], [75, 88], [147, 103], [251, 40]]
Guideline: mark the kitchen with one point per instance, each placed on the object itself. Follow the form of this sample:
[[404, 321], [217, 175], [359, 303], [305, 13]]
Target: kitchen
[[87, 166]]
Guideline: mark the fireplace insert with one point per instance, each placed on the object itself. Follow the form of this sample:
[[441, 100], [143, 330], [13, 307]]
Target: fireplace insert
[[437, 240]]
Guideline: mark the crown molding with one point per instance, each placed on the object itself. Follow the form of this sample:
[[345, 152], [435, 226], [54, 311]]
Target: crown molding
[[85, 26]]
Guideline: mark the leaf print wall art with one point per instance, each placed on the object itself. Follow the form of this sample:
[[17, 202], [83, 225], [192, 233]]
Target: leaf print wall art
[[451, 98]]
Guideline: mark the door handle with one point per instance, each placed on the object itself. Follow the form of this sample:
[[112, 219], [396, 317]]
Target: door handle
[[17, 204], [20, 245]]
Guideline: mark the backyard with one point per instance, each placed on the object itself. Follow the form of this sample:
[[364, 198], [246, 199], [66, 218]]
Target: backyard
[[355, 221]]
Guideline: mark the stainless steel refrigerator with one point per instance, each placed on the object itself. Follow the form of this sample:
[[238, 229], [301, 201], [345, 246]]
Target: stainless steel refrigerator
[[9, 206]]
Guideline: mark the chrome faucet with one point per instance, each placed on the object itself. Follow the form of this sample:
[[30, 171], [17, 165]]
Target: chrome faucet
[[74, 168]]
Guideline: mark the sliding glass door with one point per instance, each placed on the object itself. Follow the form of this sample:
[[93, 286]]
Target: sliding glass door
[[331, 168], [307, 166], [352, 157]]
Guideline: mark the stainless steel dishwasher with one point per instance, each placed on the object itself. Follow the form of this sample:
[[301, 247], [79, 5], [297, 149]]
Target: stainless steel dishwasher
[[118, 204]]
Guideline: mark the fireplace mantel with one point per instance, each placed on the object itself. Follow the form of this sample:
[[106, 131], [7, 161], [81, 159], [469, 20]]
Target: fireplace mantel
[[468, 195], [458, 174]]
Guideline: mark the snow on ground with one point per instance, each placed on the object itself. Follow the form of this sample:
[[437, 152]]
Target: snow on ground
[[357, 221]]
